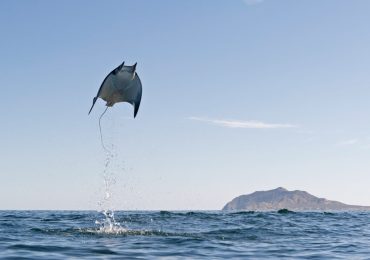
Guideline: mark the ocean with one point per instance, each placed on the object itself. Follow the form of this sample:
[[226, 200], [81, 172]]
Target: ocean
[[189, 235]]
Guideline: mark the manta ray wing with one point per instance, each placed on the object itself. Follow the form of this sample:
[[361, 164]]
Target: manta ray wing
[[101, 87], [132, 94]]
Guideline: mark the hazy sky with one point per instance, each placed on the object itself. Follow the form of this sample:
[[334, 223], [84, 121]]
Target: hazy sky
[[238, 96]]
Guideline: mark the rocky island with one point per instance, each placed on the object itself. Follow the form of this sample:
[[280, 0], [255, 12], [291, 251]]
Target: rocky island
[[281, 198]]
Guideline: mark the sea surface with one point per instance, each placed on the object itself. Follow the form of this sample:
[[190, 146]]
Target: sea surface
[[190, 235]]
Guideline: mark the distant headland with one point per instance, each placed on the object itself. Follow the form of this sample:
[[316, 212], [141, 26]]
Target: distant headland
[[281, 198]]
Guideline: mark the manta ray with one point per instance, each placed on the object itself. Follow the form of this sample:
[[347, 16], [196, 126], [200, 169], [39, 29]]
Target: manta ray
[[121, 85]]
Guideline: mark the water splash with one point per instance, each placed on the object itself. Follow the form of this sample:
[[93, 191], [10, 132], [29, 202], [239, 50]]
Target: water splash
[[108, 224]]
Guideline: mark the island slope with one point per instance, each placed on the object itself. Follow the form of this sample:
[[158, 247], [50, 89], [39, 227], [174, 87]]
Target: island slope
[[281, 198]]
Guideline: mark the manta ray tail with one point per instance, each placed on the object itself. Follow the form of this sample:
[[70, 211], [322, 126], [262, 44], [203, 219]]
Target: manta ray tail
[[101, 135], [94, 100]]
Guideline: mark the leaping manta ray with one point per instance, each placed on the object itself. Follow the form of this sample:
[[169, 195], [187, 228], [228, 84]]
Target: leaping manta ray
[[121, 85]]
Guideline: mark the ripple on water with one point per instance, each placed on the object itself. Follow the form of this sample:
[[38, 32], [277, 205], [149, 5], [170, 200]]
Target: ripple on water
[[257, 235]]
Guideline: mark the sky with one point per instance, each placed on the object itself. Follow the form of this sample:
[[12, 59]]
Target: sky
[[238, 96]]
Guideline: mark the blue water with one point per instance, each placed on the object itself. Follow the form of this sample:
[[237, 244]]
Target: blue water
[[192, 235]]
